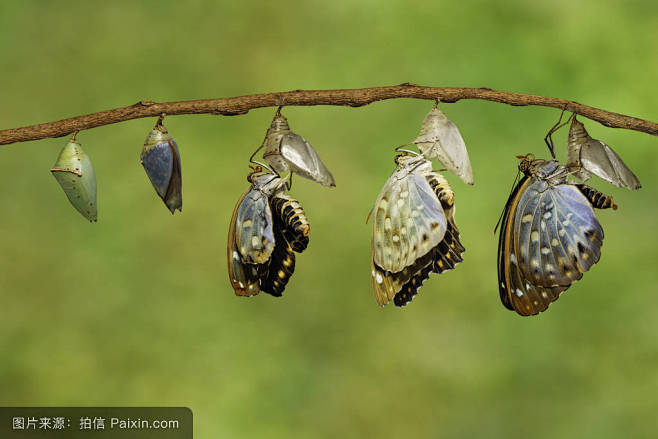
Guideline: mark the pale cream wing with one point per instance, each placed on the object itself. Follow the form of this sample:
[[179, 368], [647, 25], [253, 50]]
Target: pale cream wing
[[408, 222]]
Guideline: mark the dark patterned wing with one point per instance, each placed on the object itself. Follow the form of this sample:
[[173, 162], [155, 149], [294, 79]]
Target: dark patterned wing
[[516, 292], [281, 266], [244, 277]]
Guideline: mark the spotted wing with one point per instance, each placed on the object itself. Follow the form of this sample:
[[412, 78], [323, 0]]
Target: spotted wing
[[516, 292], [403, 286], [304, 160], [244, 277], [408, 222], [559, 238], [254, 235], [601, 160]]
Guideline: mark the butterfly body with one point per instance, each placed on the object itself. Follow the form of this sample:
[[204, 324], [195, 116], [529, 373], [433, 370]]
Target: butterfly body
[[549, 236]]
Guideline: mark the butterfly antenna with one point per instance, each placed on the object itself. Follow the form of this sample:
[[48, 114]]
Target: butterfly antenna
[[500, 218]]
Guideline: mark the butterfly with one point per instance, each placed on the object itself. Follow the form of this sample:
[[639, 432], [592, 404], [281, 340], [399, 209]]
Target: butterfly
[[267, 227], [413, 230], [549, 236], [288, 151]]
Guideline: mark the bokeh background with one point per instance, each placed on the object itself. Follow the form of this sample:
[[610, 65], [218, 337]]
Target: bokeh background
[[137, 309]]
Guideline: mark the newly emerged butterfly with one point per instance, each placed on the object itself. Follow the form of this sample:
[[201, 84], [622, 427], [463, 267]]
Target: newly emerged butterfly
[[549, 236], [413, 230], [287, 151], [592, 156], [267, 226]]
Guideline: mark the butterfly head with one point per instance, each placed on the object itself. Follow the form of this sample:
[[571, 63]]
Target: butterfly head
[[539, 168]]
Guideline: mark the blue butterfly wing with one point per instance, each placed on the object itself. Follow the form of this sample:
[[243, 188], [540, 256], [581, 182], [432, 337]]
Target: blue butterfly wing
[[254, 231], [517, 291]]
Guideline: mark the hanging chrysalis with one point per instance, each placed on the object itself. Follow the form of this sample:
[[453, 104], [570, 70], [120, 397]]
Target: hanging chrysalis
[[440, 139], [161, 161], [414, 232], [287, 151], [592, 156], [267, 227], [75, 174], [549, 236]]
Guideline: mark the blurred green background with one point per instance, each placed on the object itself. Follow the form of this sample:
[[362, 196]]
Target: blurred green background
[[137, 309]]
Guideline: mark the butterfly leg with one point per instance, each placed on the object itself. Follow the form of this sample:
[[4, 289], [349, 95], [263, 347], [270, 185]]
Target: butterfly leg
[[548, 139]]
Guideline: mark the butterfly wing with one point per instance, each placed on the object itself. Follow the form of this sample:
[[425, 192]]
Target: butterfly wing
[[559, 237], [516, 293], [254, 235], [408, 222], [281, 265], [304, 160], [244, 277]]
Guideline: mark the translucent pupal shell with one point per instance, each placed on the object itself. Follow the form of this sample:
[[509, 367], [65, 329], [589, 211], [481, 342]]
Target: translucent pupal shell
[[75, 174], [595, 157], [440, 139], [287, 151], [161, 160]]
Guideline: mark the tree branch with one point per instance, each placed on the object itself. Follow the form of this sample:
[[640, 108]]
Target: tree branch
[[351, 97]]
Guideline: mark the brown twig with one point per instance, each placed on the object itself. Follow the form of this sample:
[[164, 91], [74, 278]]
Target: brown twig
[[351, 97]]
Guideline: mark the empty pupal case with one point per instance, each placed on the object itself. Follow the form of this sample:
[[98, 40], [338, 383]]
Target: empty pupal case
[[287, 151], [595, 157], [440, 139]]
